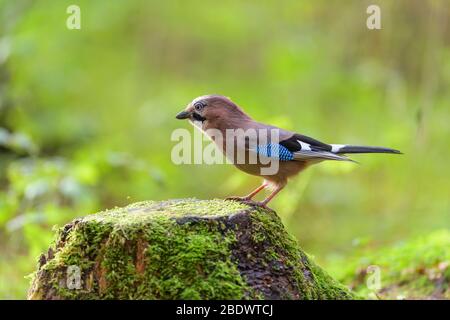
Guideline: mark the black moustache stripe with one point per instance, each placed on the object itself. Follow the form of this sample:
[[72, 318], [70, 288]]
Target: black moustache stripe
[[198, 117]]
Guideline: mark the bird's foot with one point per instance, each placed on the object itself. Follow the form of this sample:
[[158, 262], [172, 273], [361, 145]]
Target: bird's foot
[[239, 199], [250, 202], [261, 205]]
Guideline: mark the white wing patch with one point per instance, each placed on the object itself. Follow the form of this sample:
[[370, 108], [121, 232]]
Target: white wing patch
[[337, 147], [305, 146]]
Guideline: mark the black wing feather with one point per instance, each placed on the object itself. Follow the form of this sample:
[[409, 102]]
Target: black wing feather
[[292, 143]]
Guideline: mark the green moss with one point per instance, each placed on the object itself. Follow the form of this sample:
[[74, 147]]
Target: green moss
[[145, 210], [419, 268], [203, 249], [181, 249], [312, 281]]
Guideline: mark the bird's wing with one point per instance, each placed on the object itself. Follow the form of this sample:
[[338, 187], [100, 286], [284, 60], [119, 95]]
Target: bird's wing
[[319, 155], [305, 148], [274, 151], [299, 148], [299, 142]]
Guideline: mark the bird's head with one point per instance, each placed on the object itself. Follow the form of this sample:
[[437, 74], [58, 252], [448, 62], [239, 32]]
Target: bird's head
[[214, 110]]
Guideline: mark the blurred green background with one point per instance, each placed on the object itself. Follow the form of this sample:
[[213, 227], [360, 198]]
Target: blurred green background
[[86, 115]]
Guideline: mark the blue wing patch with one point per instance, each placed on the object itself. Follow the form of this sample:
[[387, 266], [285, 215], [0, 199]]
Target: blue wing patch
[[274, 150]]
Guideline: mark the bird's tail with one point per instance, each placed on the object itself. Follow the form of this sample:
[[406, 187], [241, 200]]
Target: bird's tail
[[345, 148]]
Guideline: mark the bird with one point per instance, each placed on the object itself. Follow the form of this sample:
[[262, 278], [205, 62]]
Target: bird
[[294, 152]]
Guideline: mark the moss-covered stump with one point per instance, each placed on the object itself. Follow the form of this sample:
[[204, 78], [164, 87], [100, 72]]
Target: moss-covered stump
[[180, 249]]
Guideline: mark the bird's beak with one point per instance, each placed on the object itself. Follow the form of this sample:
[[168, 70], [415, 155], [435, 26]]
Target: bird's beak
[[183, 115]]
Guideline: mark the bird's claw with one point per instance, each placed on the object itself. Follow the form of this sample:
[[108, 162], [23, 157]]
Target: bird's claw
[[250, 202], [240, 199], [237, 198]]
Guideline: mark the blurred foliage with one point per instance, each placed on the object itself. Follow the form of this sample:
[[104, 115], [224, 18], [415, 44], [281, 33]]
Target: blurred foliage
[[86, 115], [413, 269]]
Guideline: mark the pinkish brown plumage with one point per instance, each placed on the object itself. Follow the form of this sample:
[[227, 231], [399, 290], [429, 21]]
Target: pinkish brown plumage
[[293, 152]]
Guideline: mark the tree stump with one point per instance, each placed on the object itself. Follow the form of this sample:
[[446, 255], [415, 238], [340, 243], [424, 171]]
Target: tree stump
[[180, 249]]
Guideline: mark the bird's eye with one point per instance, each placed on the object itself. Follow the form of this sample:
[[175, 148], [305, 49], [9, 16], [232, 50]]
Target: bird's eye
[[199, 105]]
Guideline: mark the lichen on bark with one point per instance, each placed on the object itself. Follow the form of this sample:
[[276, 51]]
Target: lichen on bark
[[180, 249]]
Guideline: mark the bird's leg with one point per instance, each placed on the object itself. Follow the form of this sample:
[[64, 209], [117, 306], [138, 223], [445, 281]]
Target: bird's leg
[[250, 195], [255, 192], [264, 203]]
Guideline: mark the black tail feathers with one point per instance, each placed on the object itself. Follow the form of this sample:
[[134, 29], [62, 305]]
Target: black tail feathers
[[364, 149]]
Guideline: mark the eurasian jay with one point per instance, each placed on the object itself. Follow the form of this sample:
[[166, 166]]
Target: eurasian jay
[[294, 152]]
